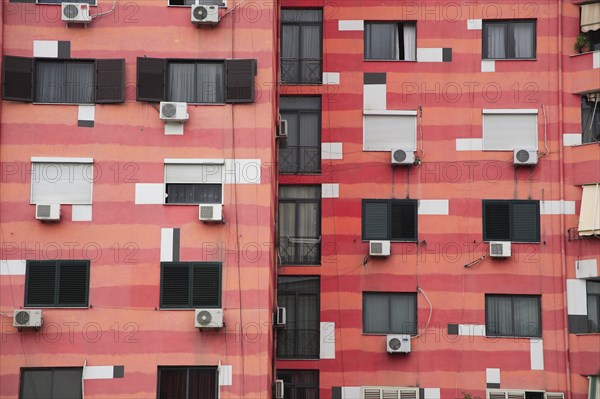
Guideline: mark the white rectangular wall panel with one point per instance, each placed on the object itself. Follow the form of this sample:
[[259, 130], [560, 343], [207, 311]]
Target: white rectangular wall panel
[[387, 132], [576, 297], [327, 350]]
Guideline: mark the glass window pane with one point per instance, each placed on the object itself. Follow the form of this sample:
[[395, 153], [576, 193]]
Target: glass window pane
[[593, 287], [524, 39], [496, 40], [210, 83], [526, 316], [201, 383], [36, 384], [80, 83], [67, 384], [593, 309], [172, 384], [499, 316], [181, 82], [403, 315], [300, 192], [381, 41], [376, 313], [50, 82], [296, 15]]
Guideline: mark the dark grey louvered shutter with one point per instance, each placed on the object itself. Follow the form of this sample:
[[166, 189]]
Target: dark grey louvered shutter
[[375, 221], [496, 220], [239, 81], [206, 285], [175, 285], [110, 81], [151, 77], [40, 284], [525, 221], [73, 283], [404, 220], [17, 79]]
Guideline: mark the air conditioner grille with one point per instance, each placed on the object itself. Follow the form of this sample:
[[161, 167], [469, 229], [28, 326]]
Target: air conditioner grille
[[372, 393], [399, 155], [169, 110], [204, 318], [376, 247], [43, 211], [200, 13], [389, 394], [395, 344], [496, 249], [22, 318], [523, 156], [206, 212], [70, 11], [410, 394]]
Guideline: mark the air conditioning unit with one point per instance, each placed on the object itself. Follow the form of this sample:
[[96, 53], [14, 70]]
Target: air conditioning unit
[[283, 129], [403, 157], [173, 112], [27, 318], [75, 12], [279, 389], [205, 14], [500, 249], [525, 157], [398, 343], [209, 318], [280, 317], [379, 248], [211, 213], [47, 212]]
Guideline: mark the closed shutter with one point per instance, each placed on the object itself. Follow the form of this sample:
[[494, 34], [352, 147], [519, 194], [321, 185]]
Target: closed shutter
[[496, 395], [525, 221], [151, 79], [589, 215], [206, 286], [17, 79], [404, 220], [510, 131], [175, 286], [375, 225], [61, 183], [73, 284], [387, 132], [193, 173], [110, 81], [554, 395], [496, 215], [515, 395], [40, 283], [240, 81]]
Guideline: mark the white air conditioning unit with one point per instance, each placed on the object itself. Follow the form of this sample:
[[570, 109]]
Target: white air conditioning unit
[[27, 318], [283, 129], [47, 212], [279, 389], [500, 249], [211, 213], [280, 317], [389, 393], [403, 157], [525, 157], [209, 318], [205, 14], [75, 12], [173, 112], [379, 248], [398, 343]]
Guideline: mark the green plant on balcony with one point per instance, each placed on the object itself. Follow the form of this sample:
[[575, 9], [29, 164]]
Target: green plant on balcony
[[582, 43]]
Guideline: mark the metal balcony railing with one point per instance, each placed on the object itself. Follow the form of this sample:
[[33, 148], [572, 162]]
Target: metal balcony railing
[[299, 159]]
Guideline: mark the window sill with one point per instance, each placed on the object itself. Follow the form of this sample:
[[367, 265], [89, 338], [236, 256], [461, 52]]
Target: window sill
[[392, 241], [192, 204], [585, 53], [512, 242], [511, 337], [301, 359], [509, 59], [58, 4], [370, 60], [300, 84], [55, 307], [389, 333], [35, 103], [298, 265], [584, 144], [593, 334]]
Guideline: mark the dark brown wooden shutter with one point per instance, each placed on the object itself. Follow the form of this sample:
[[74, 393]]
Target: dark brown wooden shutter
[[40, 283], [175, 285], [73, 283], [17, 79], [151, 77], [404, 220], [206, 285], [525, 221], [375, 220], [240, 81], [496, 220], [110, 81]]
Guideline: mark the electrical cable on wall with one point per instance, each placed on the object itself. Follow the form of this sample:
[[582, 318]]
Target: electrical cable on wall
[[114, 5], [430, 312]]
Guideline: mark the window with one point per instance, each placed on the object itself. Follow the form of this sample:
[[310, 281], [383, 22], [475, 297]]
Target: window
[[515, 220], [590, 24], [505, 39], [593, 306], [220, 3], [300, 384], [300, 339], [393, 220], [301, 52], [190, 285], [62, 181], [513, 316], [391, 41], [57, 283], [91, 2], [509, 129], [300, 225], [187, 183], [389, 313], [589, 215], [195, 81], [590, 118], [73, 81], [384, 131], [594, 387], [51, 383], [187, 382], [301, 152]]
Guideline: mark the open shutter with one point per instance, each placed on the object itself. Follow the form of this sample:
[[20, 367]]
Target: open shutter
[[206, 286], [151, 77], [175, 287], [73, 283], [17, 79], [525, 221], [240, 81], [110, 81], [554, 395], [375, 220], [40, 284]]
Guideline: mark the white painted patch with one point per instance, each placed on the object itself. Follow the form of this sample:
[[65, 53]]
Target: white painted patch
[[398, 112], [351, 25], [327, 340], [433, 207], [45, 48], [149, 193], [246, 171], [61, 160], [173, 129], [98, 372], [431, 393], [166, 245], [576, 297], [473, 330], [570, 139], [596, 60], [225, 375], [81, 213], [488, 66], [502, 111], [331, 78], [375, 97], [351, 393], [474, 24], [332, 151], [492, 376], [469, 144], [86, 112], [559, 207], [330, 190], [537, 353], [586, 268], [430, 54], [12, 267]]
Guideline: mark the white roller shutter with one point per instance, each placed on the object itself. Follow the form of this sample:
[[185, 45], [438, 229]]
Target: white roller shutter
[[193, 173], [385, 132], [61, 183], [509, 131]]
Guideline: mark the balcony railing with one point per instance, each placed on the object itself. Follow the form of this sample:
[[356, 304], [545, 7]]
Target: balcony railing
[[300, 251], [298, 343], [299, 159], [301, 70]]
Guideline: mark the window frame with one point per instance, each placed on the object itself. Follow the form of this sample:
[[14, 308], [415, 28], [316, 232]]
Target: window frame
[[371, 114], [512, 309], [508, 49], [389, 203], [589, 107], [187, 377], [200, 163], [297, 386], [191, 266], [23, 370], [195, 62], [597, 296], [58, 264], [299, 24], [400, 24], [511, 203], [223, 4], [57, 162], [389, 316]]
